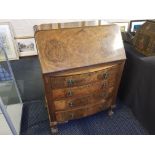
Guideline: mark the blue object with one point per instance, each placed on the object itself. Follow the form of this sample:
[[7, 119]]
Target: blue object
[[136, 27], [4, 74], [35, 122]]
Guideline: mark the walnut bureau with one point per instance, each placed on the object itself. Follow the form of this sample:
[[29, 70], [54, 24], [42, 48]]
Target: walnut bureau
[[81, 68]]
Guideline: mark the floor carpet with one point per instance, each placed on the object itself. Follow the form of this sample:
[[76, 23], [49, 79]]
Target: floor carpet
[[35, 122]]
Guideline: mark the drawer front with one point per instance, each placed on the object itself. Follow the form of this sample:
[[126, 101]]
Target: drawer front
[[58, 94], [99, 107], [81, 112], [70, 115], [82, 101], [85, 78]]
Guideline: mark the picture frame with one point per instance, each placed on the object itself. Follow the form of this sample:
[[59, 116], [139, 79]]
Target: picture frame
[[135, 25], [7, 40], [26, 46], [123, 26]]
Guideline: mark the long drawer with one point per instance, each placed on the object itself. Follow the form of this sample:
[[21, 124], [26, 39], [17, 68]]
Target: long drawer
[[58, 94], [85, 78], [84, 100], [62, 116]]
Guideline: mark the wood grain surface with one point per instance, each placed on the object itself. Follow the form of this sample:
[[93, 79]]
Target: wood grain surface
[[82, 111], [84, 78], [68, 48], [83, 100]]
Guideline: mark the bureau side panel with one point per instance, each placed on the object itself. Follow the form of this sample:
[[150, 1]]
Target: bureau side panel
[[48, 98], [119, 75]]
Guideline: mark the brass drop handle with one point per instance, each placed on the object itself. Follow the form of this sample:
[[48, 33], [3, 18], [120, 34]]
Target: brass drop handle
[[69, 93], [71, 104], [70, 82], [105, 75], [104, 85]]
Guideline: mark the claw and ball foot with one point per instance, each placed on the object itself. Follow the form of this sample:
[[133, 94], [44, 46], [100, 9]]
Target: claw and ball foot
[[110, 112], [54, 130]]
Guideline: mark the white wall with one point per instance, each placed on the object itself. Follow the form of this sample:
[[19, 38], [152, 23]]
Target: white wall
[[24, 27]]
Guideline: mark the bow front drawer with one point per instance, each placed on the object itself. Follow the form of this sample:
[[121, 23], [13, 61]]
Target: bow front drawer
[[83, 100], [58, 94], [63, 116], [83, 79]]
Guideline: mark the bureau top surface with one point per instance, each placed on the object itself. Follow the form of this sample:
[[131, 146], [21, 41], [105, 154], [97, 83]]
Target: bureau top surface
[[68, 48]]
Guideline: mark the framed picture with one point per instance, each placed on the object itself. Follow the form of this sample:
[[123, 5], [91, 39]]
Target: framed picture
[[8, 42], [135, 25], [26, 47], [123, 26]]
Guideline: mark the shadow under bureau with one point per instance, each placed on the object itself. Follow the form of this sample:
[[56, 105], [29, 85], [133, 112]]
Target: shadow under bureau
[[81, 69]]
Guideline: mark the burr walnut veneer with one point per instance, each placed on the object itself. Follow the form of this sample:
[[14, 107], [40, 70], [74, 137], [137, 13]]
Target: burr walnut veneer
[[81, 68]]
